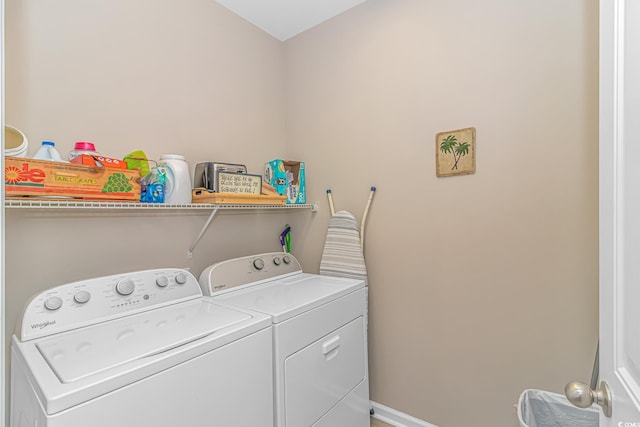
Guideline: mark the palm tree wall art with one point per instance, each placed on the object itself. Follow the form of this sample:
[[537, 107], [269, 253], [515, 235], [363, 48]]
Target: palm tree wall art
[[456, 152]]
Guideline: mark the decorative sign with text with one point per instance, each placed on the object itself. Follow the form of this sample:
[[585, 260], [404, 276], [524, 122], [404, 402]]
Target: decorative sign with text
[[239, 183]]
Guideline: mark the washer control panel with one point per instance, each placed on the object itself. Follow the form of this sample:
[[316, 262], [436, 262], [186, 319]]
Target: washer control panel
[[96, 300], [230, 274]]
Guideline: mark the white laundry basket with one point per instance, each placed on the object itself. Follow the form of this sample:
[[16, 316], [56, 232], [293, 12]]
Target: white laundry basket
[[538, 408]]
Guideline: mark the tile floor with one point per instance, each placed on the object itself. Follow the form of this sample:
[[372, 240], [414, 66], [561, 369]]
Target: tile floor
[[378, 423]]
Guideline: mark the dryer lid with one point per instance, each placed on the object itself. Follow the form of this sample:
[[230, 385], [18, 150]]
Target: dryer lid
[[81, 353], [289, 296]]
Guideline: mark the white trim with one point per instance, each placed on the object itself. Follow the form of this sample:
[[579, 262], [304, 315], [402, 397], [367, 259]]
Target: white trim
[[396, 418]]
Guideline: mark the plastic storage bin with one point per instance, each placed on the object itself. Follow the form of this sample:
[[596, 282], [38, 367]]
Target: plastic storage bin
[[538, 408], [15, 142]]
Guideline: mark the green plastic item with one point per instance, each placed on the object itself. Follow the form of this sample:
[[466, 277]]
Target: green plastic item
[[138, 160], [287, 239]]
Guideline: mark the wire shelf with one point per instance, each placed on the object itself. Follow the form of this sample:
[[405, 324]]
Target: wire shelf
[[81, 204], [118, 208]]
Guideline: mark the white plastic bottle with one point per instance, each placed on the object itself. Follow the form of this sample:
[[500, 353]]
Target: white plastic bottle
[[47, 151], [178, 179]]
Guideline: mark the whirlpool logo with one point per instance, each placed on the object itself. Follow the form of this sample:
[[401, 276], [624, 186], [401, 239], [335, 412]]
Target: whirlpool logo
[[43, 325], [628, 424]]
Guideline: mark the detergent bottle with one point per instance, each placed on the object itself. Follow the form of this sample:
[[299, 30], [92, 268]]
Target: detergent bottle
[[83, 147], [178, 179], [47, 151]]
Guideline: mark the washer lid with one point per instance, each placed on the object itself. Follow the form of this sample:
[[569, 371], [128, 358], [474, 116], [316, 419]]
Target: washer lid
[[84, 352], [289, 296]]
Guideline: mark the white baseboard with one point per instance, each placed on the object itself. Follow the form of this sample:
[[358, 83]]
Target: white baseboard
[[396, 418]]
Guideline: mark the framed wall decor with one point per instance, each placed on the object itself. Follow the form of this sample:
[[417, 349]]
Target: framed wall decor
[[456, 152]]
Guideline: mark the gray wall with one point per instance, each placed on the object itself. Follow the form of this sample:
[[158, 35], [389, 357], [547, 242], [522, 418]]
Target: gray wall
[[164, 76], [481, 285]]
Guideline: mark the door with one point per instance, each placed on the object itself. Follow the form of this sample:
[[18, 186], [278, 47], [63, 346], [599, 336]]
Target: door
[[322, 374], [620, 209]]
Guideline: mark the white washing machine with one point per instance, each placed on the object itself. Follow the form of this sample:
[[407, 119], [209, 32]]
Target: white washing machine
[[140, 350], [319, 336]]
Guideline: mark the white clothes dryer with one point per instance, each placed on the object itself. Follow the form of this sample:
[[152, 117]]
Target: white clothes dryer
[[319, 336], [141, 349]]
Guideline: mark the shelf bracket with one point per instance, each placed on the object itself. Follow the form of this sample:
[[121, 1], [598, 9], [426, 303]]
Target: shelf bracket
[[204, 228]]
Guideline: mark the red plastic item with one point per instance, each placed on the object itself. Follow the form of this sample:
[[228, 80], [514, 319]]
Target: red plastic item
[[84, 145]]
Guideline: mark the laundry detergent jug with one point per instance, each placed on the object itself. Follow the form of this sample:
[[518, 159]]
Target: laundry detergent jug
[[178, 179]]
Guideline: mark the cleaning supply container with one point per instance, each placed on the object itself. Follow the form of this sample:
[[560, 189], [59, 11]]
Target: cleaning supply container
[[178, 179], [83, 147], [15, 142], [539, 408], [47, 151], [152, 186]]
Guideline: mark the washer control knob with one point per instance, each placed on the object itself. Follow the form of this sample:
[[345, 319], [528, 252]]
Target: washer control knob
[[181, 278], [53, 303], [125, 287], [277, 261], [82, 297], [286, 259], [162, 281], [258, 263]]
